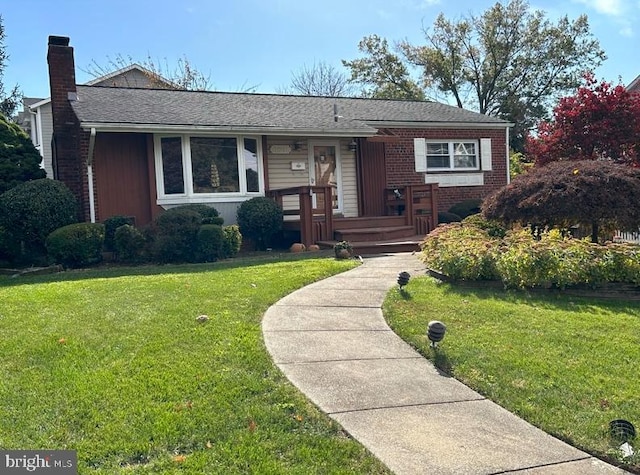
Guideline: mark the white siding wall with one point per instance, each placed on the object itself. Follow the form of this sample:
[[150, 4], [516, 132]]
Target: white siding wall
[[282, 176], [46, 118]]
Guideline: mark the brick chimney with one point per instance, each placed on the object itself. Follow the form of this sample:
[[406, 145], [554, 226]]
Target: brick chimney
[[68, 164]]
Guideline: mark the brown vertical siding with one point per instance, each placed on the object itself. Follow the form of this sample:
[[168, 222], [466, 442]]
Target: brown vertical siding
[[122, 184], [372, 179]]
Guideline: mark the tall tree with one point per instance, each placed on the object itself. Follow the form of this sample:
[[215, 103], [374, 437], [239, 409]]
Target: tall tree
[[320, 79], [598, 122], [183, 75], [19, 159], [382, 73], [510, 62], [8, 100]]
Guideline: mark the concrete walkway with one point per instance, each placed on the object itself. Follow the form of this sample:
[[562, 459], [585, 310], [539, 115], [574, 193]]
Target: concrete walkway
[[331, 341]]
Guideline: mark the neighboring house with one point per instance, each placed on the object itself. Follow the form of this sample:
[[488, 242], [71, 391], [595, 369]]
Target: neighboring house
[[134, 152], [38, 121], [635, 85]]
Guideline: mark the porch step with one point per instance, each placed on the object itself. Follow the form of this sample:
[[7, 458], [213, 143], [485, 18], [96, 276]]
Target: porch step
[[369, 221], [363, 248], [373, 234]]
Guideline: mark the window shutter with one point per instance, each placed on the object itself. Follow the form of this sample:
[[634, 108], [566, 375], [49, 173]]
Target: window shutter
[[485, 154], [420, 153]]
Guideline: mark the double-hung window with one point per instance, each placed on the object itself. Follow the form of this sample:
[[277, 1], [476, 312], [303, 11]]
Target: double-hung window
[[450, 155], [207, 167]]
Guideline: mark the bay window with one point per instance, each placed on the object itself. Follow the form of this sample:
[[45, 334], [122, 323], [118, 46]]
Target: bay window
[[208, 167]]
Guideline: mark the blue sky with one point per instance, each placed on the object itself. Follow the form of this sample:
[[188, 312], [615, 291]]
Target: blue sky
[[246, 43]]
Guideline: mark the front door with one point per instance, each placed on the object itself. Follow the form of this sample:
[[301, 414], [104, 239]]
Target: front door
[[324, 170]]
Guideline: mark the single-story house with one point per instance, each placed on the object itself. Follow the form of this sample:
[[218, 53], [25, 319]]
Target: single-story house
[[381, 164], [634, 86]]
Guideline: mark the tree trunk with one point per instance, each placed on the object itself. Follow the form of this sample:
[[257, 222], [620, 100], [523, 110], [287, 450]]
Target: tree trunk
[[594, 232]]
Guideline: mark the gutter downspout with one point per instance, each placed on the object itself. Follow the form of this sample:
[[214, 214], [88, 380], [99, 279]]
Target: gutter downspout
[[508, 161], [92, 204]]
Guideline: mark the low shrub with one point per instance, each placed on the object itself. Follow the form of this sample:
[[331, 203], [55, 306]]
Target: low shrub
[[462, 252], [466, 208], [175, 237], [129, 243], [208, 214], [493, 228], [76, 245], [110, 225], [30, 212], [445, 217], [232, 241], [210, 243], [468, 251], [260, 218]]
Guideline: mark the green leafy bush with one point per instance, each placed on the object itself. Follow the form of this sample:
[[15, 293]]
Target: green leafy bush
[[493, 228], [462, 252], [260, 219], [129, 243], [210, 242], [466, 208], [476, 250], [30, 212], [209, 214], [444, 217], [232, 241], [110, 225], [175, 235], [76, 245]]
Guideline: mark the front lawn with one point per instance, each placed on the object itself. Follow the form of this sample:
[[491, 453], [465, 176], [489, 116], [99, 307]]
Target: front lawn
[[114, 364], [568, 365]]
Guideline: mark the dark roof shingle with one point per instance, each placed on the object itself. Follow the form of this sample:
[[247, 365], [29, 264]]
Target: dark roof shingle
[[158, 107]]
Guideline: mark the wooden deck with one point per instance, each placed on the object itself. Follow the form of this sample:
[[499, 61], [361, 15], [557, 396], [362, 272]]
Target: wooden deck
[[413, 214]]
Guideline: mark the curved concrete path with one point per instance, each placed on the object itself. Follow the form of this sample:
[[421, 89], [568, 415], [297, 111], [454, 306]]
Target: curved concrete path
[[331, 341]]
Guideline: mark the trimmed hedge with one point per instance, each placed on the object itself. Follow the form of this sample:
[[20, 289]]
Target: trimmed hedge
[[210, 242], [128, 243], [110, 225], [260, 219], [30, 212], [76, 245]]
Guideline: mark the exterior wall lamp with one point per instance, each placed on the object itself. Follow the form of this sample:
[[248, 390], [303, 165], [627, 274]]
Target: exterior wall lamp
[[353, 145]]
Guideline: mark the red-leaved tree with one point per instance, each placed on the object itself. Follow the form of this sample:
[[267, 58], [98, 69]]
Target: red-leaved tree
[[600, 121]]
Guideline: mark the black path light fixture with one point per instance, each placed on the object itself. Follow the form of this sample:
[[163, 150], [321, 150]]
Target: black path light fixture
[[435, 332], [403, 279]]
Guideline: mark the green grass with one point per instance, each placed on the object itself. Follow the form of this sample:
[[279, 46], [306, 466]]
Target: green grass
[[568, 365], [112, 363]]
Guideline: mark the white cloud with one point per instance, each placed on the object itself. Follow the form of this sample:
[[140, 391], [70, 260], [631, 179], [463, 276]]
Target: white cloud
[[606, 7]]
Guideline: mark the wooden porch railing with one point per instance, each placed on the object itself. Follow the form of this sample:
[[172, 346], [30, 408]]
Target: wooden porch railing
[[418, 203], [316, 224]]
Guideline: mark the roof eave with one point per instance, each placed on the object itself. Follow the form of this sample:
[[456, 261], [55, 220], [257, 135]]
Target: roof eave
[[437, 125], [240, 130]]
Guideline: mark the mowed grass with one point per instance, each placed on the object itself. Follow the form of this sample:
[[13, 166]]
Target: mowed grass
[[568, 365], [113, 364]]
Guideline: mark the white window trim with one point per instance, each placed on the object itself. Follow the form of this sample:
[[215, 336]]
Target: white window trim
[[450, 144], [189, 196]]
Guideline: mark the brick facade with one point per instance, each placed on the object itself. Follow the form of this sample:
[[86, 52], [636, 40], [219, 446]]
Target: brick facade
[[70, 142], [400, 162]]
